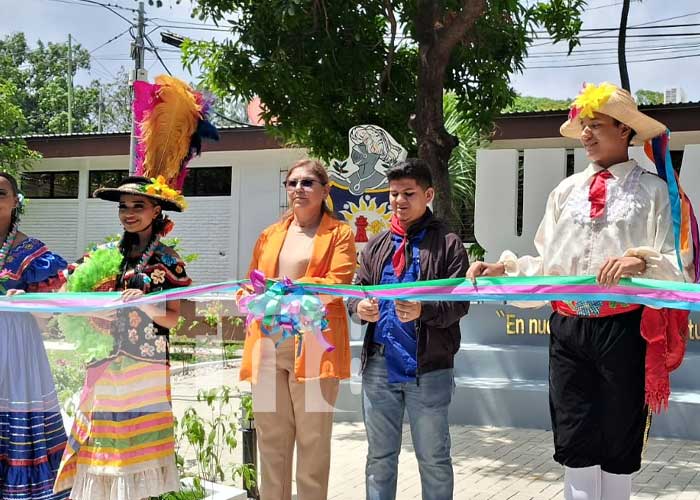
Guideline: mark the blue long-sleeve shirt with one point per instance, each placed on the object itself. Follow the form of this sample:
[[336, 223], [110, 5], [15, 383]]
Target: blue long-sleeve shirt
[[399, 338]]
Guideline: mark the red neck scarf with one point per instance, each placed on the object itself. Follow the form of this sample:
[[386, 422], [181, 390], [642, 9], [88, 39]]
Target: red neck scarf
[[399, 258], [596, 193]]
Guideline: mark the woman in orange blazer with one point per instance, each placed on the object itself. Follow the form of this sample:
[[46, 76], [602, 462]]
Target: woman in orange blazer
[[294, 391]]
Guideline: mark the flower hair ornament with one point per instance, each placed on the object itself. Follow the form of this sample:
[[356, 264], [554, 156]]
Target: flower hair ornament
[[591, 99]]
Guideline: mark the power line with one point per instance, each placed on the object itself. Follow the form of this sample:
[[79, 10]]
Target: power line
[[203, 28], [646, 23], [587, 52], [93, 58], [108, 5], [175, 21], [111, 40], [598, 63], [155, 50], [638, 27], [604, 6]]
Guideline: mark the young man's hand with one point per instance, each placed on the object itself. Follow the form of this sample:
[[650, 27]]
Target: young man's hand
[[368, 310], [615, 268], [407, 310], [478, 269]]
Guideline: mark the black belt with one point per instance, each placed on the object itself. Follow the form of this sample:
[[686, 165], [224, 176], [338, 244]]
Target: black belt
[[375, 349]]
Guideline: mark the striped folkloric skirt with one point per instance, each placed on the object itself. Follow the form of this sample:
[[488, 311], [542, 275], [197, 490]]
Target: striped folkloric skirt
[[32, 437], [122, 445]]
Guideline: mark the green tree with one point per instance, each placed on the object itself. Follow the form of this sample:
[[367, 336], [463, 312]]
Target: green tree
[[321, 67], [116, 103], [15, 156], [462, 164], [527, 104], [646, 97], [39, 76]]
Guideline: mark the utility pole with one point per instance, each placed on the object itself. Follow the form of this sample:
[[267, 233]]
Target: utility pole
[[69, 79], [99, 111], [621, 41], [139, 73]]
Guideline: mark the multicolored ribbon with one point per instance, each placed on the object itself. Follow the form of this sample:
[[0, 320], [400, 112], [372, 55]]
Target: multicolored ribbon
[[655, 293], [282, 308]]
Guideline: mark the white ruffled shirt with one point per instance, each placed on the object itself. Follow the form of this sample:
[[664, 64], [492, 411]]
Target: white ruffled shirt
[[636, 222]]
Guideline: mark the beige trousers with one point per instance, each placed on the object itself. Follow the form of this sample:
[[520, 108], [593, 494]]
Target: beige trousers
[[289, 412]]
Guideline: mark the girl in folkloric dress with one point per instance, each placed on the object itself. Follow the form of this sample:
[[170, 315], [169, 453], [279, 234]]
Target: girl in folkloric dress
[[122, 444], [32, 437]]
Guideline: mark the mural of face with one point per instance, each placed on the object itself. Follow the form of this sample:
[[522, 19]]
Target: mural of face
[[359, 191], [372, 151]]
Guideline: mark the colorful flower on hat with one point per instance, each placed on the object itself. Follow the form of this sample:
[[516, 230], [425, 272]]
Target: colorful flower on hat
[[591, 99], [158, 187]]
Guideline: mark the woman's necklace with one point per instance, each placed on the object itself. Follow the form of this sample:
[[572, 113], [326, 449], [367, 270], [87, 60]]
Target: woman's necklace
[[7, 245], [147, 254], [141, 264]]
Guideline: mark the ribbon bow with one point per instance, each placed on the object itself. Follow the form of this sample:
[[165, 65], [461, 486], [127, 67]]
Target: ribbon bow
[[284, 308]]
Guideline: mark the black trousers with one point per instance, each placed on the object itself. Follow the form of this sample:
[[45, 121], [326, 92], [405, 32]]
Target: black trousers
[[596, 391]]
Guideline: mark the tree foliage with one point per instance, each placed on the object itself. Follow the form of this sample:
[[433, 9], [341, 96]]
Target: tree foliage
[[15, 156], [462, 164], [321, 67], [528, 104], [40, 77], [646, 97]]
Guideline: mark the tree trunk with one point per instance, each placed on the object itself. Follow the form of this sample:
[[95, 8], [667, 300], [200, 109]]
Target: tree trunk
[[435, 144], [437, 37], [621, 39]]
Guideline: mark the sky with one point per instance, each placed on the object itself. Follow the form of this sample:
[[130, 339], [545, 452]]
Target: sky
[[548, 73]]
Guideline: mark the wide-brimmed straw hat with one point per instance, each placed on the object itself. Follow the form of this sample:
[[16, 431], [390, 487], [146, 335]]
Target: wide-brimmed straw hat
[[609, 99], [155, 189]]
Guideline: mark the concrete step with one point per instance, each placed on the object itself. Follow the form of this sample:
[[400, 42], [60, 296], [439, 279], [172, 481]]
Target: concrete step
[[527, 362], [522, 403]]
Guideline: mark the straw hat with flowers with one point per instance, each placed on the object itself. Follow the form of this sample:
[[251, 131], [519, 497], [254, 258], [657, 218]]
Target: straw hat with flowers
[[609, 99]]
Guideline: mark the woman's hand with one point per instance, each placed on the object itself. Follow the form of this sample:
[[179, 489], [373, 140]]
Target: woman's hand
[[131, 294], [14, 291]]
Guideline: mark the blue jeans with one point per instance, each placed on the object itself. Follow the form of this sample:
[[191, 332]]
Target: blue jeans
[[383, 407]]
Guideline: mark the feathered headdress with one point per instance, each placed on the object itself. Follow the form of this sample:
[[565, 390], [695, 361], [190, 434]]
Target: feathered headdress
[[172, 120]]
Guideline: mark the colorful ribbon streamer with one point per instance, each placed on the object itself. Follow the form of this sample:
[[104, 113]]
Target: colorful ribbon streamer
[[284, 309], [655, 293]]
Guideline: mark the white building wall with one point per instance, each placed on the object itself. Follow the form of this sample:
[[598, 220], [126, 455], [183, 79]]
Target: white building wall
[[222, 230]]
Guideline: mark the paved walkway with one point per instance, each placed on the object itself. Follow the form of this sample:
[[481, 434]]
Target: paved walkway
[[510, 464], [489, 463]]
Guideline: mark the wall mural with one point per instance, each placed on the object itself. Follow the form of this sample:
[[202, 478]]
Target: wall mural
[[359, 189]]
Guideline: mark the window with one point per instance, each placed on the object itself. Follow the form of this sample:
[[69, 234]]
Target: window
[[208, 181], [106, 178], [57, 185]]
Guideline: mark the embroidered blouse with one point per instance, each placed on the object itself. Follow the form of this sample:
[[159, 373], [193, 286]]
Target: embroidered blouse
[[33, 268], [636, 221]]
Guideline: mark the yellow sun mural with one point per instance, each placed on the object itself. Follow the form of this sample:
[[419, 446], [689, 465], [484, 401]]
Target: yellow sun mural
[[368, 217]]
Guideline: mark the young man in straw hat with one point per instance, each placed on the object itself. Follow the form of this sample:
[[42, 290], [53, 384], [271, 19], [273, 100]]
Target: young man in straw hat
[[612, 220]]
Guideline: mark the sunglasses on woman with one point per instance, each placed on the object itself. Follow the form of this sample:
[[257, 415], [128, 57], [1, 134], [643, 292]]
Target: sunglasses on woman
[[307, 184]]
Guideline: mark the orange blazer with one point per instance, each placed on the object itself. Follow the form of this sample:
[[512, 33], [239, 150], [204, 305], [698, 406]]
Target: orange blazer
[[333, 260]]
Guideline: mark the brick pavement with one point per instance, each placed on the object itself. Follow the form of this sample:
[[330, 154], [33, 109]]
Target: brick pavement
[[510, 464]]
